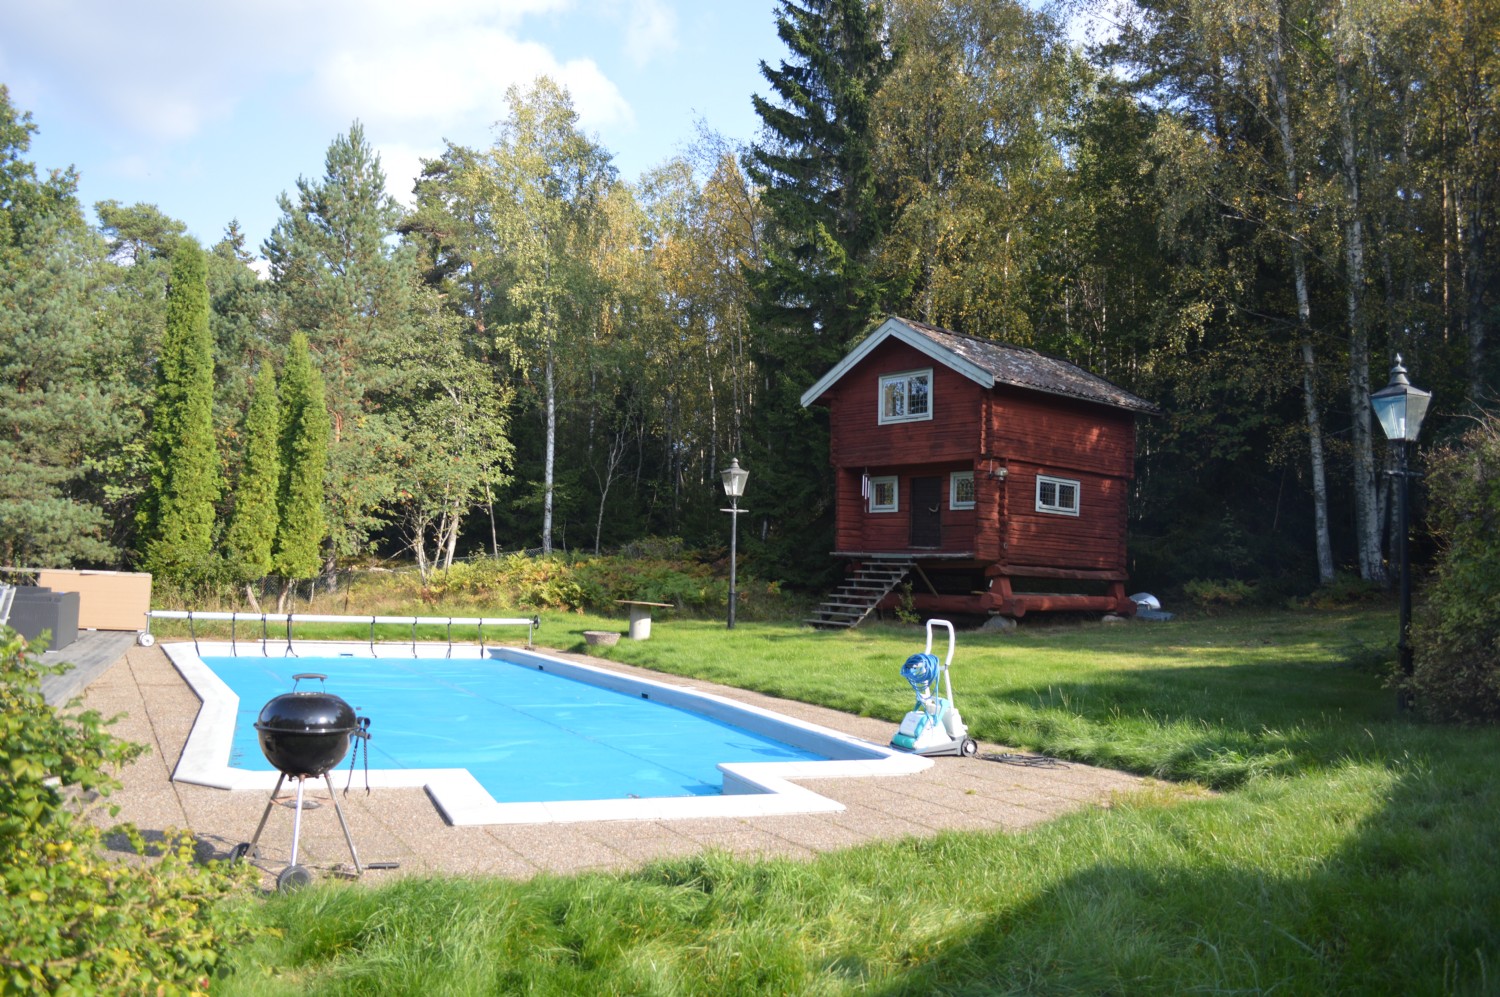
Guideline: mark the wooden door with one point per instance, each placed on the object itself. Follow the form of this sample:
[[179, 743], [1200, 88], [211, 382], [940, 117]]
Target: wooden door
[[926, 512]]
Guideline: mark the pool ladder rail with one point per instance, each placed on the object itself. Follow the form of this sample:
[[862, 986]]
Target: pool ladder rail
[[531, 623]]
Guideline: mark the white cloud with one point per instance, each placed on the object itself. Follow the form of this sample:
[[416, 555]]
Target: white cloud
[[445, 82], [650, 30], [401, 164], [168, 69]]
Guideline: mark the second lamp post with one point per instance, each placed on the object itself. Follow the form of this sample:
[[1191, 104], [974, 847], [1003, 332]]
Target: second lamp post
[[734, 486]]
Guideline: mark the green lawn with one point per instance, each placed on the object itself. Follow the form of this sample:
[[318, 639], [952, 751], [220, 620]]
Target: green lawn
[[1346, 850]]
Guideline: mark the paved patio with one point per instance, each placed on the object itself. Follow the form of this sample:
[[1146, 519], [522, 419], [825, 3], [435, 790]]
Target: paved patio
[[998, 791]]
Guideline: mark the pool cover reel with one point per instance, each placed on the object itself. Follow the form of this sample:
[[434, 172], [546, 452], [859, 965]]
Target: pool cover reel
[[934, 726]]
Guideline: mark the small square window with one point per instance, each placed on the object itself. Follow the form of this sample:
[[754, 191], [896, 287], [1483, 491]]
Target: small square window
[[906, 397], [884, 495], [1056, 495], [961, 490]]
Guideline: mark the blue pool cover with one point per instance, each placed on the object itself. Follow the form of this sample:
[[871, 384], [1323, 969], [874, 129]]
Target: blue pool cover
[[526, 735]]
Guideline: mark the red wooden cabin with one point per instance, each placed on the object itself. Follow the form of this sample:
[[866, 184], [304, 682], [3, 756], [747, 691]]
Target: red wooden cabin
[[989, 475]]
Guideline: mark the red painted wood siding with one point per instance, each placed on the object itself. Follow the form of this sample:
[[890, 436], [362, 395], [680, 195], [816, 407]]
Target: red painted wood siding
[[1051, 430], [1094, 540], [855, 432], [855, 529]]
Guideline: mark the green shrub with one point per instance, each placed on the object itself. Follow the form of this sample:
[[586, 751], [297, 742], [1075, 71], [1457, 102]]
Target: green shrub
[[1344, 591], [1209, 595], [76, 920], [586, 583], [1456, 632]]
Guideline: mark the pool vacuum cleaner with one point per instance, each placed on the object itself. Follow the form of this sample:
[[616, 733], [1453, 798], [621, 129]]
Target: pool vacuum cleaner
[[934, 726]]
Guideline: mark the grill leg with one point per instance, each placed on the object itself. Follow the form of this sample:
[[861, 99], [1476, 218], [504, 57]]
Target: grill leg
[[297, 820], [358, 869], [250, 852]]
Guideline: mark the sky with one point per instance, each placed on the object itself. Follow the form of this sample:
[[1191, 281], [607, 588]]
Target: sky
[[210, 110]]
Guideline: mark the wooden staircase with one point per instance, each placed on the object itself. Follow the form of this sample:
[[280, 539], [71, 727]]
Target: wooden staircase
[[871, 580]]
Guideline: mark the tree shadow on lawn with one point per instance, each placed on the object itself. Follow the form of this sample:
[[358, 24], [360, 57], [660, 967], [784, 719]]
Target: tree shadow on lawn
[[1374, 878]]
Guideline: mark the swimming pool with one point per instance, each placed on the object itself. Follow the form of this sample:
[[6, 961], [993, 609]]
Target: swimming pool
[[526, 734], [512, 762]]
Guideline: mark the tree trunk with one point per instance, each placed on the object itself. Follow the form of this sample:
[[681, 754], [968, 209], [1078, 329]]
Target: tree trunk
[[1476, 278], [450, 546], [551, 452], [1368, 532], [489, 503], [1304, 311]]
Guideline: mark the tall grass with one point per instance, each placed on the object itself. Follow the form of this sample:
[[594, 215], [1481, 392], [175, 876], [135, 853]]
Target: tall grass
[[1348, 851]]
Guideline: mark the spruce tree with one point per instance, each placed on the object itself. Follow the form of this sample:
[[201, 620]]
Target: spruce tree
[[177, 516], [816, 293], [251, 536], [304, 461]]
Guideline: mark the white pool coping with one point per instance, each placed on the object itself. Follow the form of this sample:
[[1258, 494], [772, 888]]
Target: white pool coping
[[751, 789]]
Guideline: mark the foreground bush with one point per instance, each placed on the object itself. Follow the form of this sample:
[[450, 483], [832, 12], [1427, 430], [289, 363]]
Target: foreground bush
[[75, 920], [1456, 634]]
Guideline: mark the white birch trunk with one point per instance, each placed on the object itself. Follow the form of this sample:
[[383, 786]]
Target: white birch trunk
[[1304, 314]]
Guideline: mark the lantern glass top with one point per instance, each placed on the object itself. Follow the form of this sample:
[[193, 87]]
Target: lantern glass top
[[1400, 407], [734, 479]]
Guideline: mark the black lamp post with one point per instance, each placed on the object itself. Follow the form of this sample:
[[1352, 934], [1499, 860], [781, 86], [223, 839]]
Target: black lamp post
[[734, 486], [1400, 409]]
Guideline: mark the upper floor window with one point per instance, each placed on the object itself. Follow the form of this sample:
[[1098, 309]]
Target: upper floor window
[[961, 490], [1056, 495], [906, 397]]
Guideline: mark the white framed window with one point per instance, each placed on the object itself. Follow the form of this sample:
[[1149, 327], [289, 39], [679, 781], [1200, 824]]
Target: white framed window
[[1056, 495], [961, 490], [884, 495], [906, 397]]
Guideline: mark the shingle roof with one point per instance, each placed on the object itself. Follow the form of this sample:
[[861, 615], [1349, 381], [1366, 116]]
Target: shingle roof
[[1025, 368], [988, 363]]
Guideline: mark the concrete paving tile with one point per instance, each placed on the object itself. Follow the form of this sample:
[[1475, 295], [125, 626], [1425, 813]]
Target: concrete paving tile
[[542, 845], [650, 849], [813, 832], [752, 842]]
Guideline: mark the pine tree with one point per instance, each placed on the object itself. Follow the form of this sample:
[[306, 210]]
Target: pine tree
[[337, 278], [251, 536], [304, 461], [177, 517], [817, 292], [54, 412]]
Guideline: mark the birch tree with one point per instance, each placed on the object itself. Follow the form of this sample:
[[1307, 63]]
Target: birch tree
[[546, 183]]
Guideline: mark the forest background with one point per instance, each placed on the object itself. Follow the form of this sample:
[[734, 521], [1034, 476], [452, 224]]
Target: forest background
[[1241, 210]]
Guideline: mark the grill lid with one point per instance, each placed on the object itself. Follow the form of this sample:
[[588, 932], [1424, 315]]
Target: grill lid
[[307, 713]]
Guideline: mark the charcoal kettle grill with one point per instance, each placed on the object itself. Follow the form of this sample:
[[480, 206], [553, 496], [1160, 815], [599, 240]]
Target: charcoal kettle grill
[[304, 734]]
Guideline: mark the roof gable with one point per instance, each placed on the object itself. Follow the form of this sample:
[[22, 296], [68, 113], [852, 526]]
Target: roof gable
[[987, 364]]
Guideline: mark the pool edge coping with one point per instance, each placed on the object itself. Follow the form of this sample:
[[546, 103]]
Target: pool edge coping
[[751, 789]]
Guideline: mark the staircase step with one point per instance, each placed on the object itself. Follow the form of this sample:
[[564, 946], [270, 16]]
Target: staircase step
[[854, 599]]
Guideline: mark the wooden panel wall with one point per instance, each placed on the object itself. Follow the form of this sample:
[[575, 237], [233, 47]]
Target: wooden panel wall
[[855, 529], [1094, 540], [855, 433], [1051, 430]]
